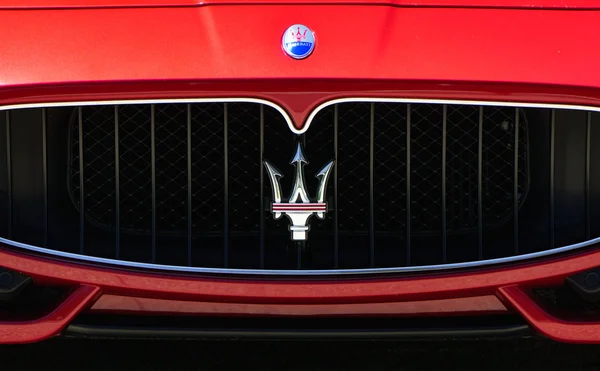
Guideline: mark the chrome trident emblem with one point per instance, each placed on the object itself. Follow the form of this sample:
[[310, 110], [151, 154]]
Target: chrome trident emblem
[[299, 207]]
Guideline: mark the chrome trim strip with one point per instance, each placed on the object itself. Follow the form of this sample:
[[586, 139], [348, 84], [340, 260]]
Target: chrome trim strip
[[313, 113], [442, 101], [285, 115], [332, 272], [312, 272]]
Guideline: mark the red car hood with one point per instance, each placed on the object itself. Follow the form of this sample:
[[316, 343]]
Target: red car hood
[[537, 4]]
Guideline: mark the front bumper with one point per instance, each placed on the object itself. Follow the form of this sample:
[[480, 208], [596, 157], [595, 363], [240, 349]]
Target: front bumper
[[510, 284]]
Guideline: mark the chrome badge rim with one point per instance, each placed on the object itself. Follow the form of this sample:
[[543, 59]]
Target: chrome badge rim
[[298, 41]]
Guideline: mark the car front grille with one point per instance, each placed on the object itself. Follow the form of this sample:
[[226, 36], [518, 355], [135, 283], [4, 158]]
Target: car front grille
[[182, 184]]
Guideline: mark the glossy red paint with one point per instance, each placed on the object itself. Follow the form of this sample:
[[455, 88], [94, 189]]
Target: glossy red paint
[[220, 43], [50, 325], [477, 305], [525, 4], [333, 290]]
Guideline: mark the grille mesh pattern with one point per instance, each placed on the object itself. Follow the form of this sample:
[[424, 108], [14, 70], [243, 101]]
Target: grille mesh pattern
[[135, 175], [426, 170], [245, 167], [171, 167], [223, 142], [426, 133], [207, 167], [355, 139], [462, 166], [135, 171], [390, 144], [498, 154]]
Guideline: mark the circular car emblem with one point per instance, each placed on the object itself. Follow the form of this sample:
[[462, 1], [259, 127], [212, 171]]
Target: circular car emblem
[[298, 41]]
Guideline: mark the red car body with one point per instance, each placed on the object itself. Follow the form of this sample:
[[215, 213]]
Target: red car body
[[530, 52]]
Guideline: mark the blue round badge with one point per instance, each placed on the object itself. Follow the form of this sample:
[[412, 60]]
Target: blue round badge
[[298, 41]]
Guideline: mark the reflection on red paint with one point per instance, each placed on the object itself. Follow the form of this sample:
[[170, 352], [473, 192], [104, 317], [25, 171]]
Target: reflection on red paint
[[131, 305]]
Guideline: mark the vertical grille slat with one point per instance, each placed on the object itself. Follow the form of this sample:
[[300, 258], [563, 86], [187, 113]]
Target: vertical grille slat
[[371, 189], [261, 205], [480, 185], [225, 186], [81, 182], [45, 172], [444, 211], [516, 183], [587, 190], [8, 176], [189, 184], [408, 184], [552, 223], [117, 187], [336, 236], [153, 176]]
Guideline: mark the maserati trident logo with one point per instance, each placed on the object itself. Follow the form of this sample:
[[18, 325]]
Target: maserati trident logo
[[298, 41], [299, 207]]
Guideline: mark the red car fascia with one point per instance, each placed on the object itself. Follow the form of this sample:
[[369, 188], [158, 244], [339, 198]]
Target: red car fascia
[[219, 49], [510, 284], [104, 4]]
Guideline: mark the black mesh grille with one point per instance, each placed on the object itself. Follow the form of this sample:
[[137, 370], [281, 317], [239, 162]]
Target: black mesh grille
[[426, 137], [462, 167], [413, 184]]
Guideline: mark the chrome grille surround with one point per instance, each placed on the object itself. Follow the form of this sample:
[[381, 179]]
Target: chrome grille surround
[[310, 272]]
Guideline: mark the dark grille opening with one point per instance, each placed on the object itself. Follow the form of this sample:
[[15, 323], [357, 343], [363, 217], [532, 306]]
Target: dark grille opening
[[564, 303], [32, 303], [183, 184]]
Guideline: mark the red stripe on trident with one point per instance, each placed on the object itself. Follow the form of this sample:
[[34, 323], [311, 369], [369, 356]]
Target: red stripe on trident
[[283, 207]]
